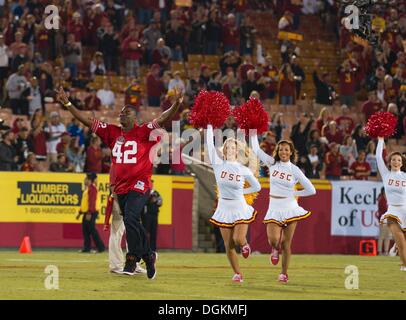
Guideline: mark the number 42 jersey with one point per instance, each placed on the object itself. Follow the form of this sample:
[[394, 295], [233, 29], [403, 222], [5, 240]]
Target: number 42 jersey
[[130, 154]]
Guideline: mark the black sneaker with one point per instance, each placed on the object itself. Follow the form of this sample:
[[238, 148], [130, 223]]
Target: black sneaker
[[150, 265], [130, 265]]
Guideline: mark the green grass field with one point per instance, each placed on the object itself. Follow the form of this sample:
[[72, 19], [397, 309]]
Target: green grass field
[[198, 276]]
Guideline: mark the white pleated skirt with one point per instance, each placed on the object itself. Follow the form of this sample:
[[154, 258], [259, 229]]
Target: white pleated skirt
[[284, 211], [397, 213], [232, 212]]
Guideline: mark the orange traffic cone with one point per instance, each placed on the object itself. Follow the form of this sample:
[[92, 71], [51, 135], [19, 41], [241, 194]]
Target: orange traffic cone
[[25, 246]]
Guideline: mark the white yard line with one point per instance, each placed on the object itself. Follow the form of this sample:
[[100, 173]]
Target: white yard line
[[46, 260], [121, 292]]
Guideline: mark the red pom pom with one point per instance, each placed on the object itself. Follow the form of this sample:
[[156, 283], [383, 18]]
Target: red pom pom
[[209, 108], [381, 124], [252, 115]]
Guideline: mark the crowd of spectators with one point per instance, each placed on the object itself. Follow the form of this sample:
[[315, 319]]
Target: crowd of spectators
[[123, 37]]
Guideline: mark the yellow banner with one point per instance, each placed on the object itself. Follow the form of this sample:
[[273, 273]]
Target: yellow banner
[[183, 3], [55, 197], [283, 35]]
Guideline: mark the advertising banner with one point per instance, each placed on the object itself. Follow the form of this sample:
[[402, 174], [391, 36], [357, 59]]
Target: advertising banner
[[354, 204], [55, 197]]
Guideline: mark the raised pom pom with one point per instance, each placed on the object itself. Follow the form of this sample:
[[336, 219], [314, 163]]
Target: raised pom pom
[[381, 124], [252, 115], [210, 107]]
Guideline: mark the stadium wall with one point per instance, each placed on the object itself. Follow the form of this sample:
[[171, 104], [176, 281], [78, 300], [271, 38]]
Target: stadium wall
[[43, 206]]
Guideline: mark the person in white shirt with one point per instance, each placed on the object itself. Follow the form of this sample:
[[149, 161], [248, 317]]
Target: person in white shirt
[[35, 100], [284, 211], [394, 182], [54, 132], [177, 82], [106, 96], [4, 59], [233, 214]]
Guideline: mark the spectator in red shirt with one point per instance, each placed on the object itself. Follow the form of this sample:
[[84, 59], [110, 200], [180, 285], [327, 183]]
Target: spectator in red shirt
[[344, 122], [231, 34], [30, 163], [38, 135], [132, 52], [371, 106], [94, 156], [348, 83], [92, 102], [271, 75], [287, 87], [155, 86], [332, 133], [360, 169], [76, 27], [323, 119], [269, 143], [63, 145], [245, 67], [334, 162]]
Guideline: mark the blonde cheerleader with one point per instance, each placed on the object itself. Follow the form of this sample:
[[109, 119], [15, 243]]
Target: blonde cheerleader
[[284, 211], [233, 214], [394, 181]]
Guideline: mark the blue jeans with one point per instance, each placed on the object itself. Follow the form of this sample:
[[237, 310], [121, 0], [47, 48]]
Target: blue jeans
[[284, 100], [73, 67], [177, 55], [144, 15], [212, 47]]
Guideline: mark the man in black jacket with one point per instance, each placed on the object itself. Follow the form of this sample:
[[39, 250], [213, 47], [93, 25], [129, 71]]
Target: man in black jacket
[[325, 93], [8, 154], [150, 217]]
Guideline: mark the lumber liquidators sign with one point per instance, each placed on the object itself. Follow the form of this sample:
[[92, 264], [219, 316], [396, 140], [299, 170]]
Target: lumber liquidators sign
[[56, 197], [49, 193], [354, 204]]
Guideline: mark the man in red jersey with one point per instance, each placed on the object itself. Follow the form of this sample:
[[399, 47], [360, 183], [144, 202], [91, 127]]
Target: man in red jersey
[[130, 147]]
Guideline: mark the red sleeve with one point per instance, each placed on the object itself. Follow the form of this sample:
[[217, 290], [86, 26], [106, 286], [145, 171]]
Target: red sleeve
[[103, 130], [92, 193]]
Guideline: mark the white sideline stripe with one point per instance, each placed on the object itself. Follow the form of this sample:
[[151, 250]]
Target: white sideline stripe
[[121, 292], [45, 260]]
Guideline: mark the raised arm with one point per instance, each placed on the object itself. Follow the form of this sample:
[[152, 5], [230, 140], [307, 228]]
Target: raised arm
[[383, 170], [213, 156], [170, 113], [81, 116], [265, 158], [253, 182], [308, 188]]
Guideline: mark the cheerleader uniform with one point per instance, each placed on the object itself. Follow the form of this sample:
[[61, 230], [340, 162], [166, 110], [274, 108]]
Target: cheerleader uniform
[[395, 189], [283, 177], [232, 209]]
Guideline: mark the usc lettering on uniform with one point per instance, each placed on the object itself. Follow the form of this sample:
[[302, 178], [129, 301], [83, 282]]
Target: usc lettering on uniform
[[397, 183], [231, 176], [282, 175]]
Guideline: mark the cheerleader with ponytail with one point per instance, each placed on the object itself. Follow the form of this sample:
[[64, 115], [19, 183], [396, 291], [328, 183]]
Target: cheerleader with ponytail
[[382, 125], [284, 211], [234, 179]]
